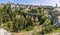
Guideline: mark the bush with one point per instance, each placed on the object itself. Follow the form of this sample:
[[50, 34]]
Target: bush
[[36, 34], [8, 26], [47, 27], [29, 28]]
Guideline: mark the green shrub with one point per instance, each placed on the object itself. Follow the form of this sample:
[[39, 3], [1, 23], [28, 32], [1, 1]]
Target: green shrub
[[36, 34], [8, 26], [29, 28], [47, 27]]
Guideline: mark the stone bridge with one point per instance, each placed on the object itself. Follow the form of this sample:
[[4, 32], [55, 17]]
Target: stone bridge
[[33, 16]]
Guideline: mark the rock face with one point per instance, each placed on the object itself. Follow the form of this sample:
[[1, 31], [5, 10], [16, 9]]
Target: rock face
[[4, 32]]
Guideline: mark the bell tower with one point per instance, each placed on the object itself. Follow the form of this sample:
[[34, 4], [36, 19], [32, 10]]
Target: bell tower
[[56, 5]]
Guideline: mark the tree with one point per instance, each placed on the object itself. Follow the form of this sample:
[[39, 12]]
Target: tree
[[33, 11], [47, 27], [1, 9], [28, 24], [42, 19]]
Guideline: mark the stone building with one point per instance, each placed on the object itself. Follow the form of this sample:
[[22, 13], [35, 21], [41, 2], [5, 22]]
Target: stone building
[[11, 5], [56, 16], [58, 19]]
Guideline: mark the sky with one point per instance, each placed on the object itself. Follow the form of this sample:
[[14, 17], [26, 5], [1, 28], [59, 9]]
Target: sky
[[34, 2]]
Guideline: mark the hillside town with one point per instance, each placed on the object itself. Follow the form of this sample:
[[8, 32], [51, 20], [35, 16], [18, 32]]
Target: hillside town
[[35, 19]]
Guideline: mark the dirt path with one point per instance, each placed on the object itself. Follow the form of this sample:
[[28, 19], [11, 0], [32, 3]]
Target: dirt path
[[36, 29], [24, 33]]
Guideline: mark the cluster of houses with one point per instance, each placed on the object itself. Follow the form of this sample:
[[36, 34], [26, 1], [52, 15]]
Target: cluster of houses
[[17, 6]]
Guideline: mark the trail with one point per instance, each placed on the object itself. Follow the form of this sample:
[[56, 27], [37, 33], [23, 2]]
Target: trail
[[35, 30]]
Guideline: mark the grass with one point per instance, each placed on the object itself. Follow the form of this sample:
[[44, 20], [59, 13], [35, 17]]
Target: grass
[[56, 30]]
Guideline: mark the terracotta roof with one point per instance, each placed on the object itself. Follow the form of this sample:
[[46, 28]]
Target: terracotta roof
[[58, 17]]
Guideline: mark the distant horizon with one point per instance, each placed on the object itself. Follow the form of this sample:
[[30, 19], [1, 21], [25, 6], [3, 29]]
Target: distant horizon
[[34, 2]]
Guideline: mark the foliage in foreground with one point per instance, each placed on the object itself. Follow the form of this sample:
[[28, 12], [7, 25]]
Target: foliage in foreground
[[14, 21], [11, 20]]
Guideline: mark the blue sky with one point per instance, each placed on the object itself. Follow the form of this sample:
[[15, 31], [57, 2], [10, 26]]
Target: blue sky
[[34, 2]]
